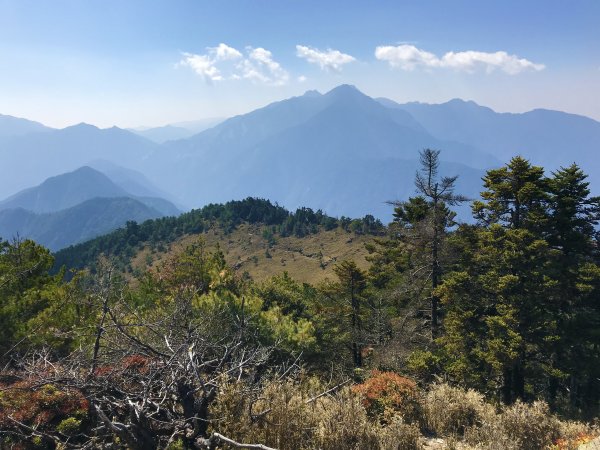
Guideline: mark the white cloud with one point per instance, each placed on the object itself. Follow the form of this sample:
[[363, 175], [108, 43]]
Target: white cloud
[[406, 56], [327, 60], [409, 57], [225, 62], [260, 66], [470, 60], [203, 65], [301, 79], [224, 52]]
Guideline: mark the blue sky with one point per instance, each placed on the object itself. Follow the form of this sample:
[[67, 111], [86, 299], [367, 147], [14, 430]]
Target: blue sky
[[132, 62]]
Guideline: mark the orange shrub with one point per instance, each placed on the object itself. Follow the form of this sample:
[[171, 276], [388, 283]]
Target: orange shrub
[[386, 393]]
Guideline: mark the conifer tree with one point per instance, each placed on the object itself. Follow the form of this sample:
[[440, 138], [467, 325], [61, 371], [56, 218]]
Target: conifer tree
[[572, 232], [501, 326]]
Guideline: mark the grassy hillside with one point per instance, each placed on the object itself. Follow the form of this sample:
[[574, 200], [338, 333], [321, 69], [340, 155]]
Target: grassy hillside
[[254, 250], [256, 237]]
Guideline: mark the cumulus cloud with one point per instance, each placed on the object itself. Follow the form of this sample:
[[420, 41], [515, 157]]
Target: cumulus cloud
[[260, 66], [225, 62], [328, 60], [409, 57], [203, 65]]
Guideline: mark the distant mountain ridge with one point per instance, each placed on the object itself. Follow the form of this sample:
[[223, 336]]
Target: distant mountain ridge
[[341, 151], [172, 132], [41, 155], [331, 151], [75, 206], [546, 137], [14, 126], [72, 188], [77, 224]]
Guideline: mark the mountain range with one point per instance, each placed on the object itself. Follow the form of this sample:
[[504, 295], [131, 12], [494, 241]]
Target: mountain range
[[342, 151], [77, 206], [73, 225]]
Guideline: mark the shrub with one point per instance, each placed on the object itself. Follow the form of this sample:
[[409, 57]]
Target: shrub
[[399, 436], [343, 423], [387, 393], [43, 407], [520, 426], [531, 426], [69, 426], [450, 411]]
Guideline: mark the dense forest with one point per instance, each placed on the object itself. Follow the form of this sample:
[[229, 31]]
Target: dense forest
[[468, 335]]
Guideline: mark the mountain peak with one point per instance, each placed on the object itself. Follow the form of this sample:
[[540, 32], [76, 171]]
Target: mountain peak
[[81, 126], [312, 93], [344, 89]]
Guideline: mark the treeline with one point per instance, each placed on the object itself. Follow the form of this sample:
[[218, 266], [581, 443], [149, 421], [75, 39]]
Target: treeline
[[122, 244]]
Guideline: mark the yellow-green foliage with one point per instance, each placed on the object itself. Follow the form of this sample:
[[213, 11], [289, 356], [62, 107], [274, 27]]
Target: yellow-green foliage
[[69, 426]]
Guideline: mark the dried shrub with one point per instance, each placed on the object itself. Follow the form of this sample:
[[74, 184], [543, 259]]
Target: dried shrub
[[450, 411], [574, 434], [284, 415], [386, 394], [398, 435], [276, 416], [42, 407], [520, 426], [530, 426], [343, 423]]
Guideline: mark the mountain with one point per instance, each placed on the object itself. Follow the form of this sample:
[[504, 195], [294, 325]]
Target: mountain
[[64, 191], [73, 225], [70, 189], [342, 151], [37, 156], [548, 138], [181, 130], [132, 181], [14, 126], [164, 134]]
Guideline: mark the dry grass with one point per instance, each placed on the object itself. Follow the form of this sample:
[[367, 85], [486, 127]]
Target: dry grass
[[280, 415], [307, 260], [450, 411]]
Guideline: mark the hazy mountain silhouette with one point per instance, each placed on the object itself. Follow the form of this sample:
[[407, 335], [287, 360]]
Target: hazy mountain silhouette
[[76, 224], [132, 181], [548, 138], [13, 126], [179, 130], [301, 151], [69, 189], [33, 157], [341, 151], [164, 134]]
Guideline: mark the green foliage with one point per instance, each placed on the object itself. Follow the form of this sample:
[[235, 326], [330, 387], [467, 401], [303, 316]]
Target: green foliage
[[521, 304], [26, 288]]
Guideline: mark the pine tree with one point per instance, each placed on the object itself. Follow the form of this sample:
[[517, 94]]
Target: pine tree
[[502, 303], [572, 232]]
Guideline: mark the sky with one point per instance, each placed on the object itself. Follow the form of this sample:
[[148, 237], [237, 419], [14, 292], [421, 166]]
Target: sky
[[136, 63]]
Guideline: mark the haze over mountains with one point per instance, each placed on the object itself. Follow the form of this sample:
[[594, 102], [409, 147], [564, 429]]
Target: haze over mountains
[[181, 130], [341, 151], [74, 207]]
